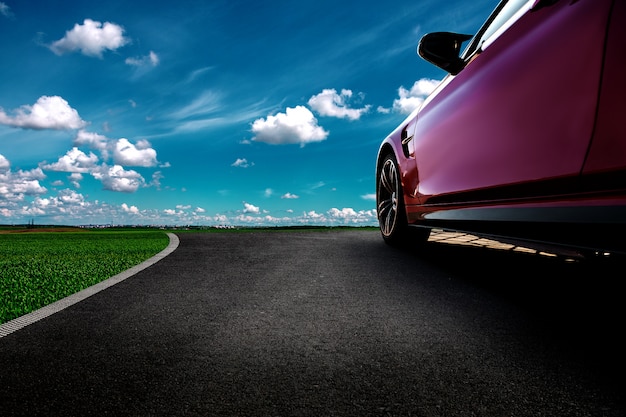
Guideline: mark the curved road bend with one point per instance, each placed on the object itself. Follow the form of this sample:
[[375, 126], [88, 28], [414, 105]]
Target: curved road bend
[[329, 324]]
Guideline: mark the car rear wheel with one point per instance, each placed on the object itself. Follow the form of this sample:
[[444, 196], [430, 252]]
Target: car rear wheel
[[390, 202]]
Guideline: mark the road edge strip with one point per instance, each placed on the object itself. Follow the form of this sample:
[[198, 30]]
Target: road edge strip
[[34, 316]]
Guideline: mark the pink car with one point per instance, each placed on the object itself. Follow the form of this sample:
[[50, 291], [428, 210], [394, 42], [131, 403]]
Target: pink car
[[526, 136]]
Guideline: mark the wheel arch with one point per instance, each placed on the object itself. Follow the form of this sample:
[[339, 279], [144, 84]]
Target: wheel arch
[[384, 150], [389, 147]]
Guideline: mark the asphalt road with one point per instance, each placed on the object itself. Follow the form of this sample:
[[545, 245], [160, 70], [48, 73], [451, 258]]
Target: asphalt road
[[329, 324]]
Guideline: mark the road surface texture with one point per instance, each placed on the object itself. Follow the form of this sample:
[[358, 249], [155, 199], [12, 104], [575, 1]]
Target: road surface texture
[[329, 323]]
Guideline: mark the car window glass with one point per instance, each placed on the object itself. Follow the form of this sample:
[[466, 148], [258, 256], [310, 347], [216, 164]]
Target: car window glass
[[504, 13]]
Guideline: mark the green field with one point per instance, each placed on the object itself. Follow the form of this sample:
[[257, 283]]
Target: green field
[[37, 268]]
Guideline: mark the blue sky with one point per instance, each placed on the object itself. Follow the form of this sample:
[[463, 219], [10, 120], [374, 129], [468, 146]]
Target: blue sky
[[207, 112]]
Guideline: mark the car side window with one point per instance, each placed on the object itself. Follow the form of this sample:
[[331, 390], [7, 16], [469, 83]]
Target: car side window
[[500, 19]]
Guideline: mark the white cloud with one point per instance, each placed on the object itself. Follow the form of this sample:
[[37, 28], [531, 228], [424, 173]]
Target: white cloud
[[157, 176], [49, 112], [67, 203], [70, 197], [242, 163], [346, 216], [296, 125], [70, 207], [91, 38], [67, 207], [21, 186], [5, 165], [154, 58], [151, 59], [249, 208], [124, 152], [312, 217], [130, 209], [14, 186], [409, 100], [349, 215], [116, 178], [331, 103], [23, 195], [75, 178], [140, 155], [371, 197], [93, 141], [74, 160]]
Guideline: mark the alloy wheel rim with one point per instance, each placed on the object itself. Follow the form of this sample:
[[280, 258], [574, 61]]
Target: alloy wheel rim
[[388, 194]]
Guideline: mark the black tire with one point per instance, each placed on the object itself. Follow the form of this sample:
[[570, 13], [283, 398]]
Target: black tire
[[390, 202]]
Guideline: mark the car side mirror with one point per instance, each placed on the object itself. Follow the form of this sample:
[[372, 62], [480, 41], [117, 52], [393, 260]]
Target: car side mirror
[[443, 49]]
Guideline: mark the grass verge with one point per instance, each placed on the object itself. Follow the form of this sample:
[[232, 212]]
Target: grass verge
[[37, 269]]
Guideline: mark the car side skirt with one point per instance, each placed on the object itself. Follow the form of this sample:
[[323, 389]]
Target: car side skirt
[[594, 224]]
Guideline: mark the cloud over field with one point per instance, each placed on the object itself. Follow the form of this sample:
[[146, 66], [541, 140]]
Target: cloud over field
[[296, 126], [91, 38], [49, 112]]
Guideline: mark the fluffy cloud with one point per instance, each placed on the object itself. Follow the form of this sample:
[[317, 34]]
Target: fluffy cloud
[[346, 216], [49, 112], [351, 216], [289, 196], [249, 208], [74, 160], [70, 197], [93, 141], [5, 165], [411, 99], [14, 186], [241, 163], [124, 152], [91, 38], [140, 155], [113, 178], [296, 125], [66, 204], [75, 178], [130, 209], [116, 178], [331, 103]]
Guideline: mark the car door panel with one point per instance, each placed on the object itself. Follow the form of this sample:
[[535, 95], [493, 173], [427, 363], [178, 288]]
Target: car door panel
[[509, 116], [608, 149]]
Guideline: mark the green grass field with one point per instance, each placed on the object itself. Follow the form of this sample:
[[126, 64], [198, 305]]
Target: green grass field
[[38, 268]]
